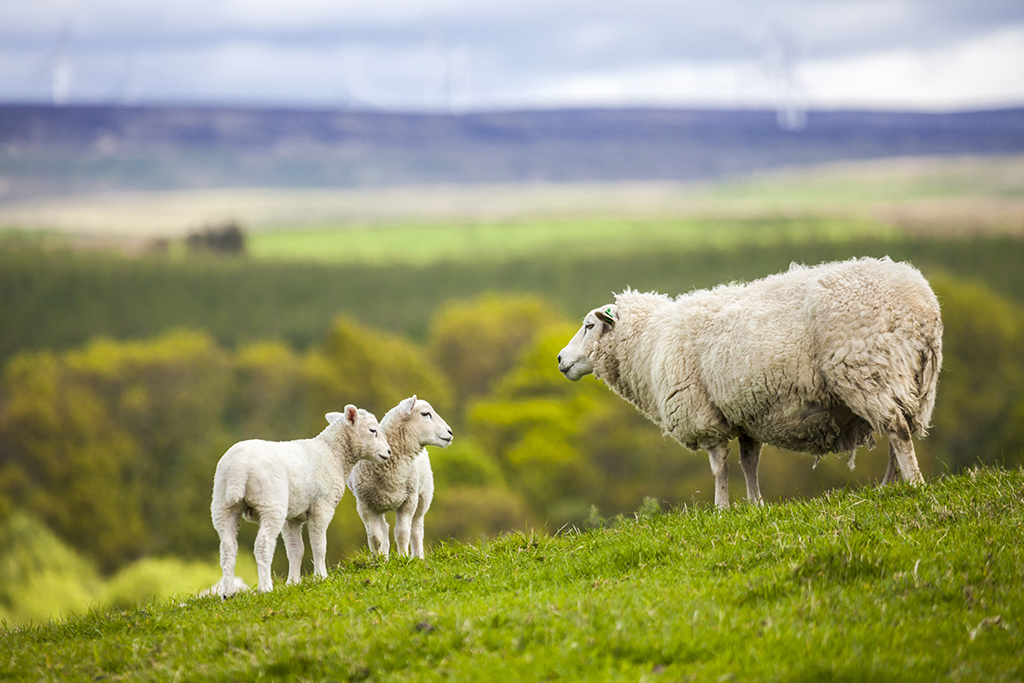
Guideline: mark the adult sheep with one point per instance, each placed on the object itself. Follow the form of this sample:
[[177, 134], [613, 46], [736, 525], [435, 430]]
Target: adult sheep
[[285, 484], [814, 359]]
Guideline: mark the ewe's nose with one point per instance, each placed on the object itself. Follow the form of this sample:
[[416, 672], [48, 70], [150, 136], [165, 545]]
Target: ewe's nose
[[559, 359]]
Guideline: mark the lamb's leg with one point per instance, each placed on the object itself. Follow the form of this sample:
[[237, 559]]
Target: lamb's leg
[[319, 520], [376, 528], [294, 548], [403, 528], [717, 455], [271, 523], [750, 455], [901, 449], [226, 524], [417, 523]]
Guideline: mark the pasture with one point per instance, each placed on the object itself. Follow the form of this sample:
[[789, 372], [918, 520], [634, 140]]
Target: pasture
[[901, 584]]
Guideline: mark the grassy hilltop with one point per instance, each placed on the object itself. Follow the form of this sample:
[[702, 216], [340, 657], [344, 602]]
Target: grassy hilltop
[[879, 584]]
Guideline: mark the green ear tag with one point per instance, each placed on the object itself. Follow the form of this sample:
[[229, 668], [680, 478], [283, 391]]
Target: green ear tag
[[608, 312]]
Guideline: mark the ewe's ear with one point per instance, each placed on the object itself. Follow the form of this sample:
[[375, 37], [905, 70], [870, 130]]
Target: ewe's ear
[[351, 413], [608, 314], [333, 417], [406, 407]]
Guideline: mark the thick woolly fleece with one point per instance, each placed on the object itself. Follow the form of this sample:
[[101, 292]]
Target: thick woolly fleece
[[815, 359], [284, 484]]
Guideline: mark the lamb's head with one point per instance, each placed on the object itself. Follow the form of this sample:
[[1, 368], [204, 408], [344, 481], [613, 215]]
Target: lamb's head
[[368, 442], [576, 360], [421, 422]]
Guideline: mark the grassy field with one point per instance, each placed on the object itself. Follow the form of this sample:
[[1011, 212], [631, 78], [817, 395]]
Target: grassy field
[[893, 584]]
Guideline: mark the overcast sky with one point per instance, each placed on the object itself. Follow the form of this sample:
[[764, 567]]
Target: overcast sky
[[464, 55]]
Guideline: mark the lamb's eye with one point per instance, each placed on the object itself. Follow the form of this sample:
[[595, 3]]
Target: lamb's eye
[[425, 414], [373, 431]]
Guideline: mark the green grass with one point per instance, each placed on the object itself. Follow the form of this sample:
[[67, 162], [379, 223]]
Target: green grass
[[893, 584], [430, 243]]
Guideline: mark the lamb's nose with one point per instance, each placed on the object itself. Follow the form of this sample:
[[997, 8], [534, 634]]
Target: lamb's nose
[[389, 451], [559, 359]]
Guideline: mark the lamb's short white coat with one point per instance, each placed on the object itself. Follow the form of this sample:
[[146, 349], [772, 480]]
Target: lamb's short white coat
[[285, 484], [405, 483], [814, 359]]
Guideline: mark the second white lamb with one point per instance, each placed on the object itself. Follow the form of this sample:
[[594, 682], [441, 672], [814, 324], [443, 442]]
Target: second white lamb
[[405, 483]]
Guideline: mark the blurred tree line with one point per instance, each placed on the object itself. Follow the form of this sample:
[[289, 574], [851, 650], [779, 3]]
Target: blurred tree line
[[113, 445]]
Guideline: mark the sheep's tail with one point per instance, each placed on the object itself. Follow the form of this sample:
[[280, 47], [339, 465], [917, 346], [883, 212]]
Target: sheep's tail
[[229, 484], [928, 379]]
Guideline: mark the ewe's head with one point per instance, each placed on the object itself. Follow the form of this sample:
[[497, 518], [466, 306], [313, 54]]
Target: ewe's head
[[576, 360], [367, 438], [421, 422]]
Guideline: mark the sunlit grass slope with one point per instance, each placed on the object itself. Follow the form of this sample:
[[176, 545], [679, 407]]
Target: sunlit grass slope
[[895, 584]]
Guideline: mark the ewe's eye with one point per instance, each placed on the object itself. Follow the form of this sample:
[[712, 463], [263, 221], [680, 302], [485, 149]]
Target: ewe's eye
[[427, 414], [372, 430], [588, 326]]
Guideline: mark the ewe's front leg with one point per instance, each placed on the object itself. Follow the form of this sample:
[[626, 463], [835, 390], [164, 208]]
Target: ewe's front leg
[[720, 469], [750, 455], [294, 548]]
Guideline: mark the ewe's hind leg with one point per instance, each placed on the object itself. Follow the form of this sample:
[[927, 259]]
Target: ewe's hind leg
[[717, 456], [294, 548], [226, 524], [750, 455], [901, 449], [266, 541], [892, 471]]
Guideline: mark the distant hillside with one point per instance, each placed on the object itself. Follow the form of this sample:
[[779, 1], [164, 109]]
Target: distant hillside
[[53, 150]]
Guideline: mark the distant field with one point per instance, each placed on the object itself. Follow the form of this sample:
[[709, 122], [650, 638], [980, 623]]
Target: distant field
[[944, 195], [423, 244]]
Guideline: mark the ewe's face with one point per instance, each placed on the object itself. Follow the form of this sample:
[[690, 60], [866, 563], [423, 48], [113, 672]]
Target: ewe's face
[[576, 360], [432, 429]]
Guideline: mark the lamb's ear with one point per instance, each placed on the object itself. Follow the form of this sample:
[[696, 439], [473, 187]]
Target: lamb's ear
[[406, 407], [351, 413], [608, 314], [333, 417]]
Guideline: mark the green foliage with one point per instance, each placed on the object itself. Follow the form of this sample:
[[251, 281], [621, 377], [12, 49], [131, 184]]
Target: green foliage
[[57, 300], [981, 388], [40, 576], [113, 445], [372, 369], [475, 342], [909, 584]]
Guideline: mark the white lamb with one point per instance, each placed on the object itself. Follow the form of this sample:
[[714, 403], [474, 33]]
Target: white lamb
[[813, 359], [285, 484], [405, 482]]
